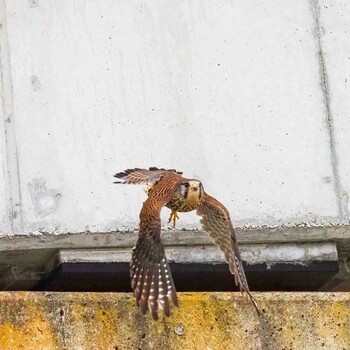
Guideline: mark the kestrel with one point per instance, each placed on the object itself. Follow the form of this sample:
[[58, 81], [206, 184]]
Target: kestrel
[[151, 278]]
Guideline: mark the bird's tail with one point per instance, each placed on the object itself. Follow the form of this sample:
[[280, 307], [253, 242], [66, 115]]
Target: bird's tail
[[151, 278]]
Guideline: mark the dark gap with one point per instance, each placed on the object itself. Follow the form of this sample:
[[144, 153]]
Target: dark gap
[[114, 277]]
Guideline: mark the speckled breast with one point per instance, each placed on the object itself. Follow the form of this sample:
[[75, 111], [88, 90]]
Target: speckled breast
[[179, 203]]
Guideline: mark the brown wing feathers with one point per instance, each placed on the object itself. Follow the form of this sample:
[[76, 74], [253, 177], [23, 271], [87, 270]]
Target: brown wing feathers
[[143, 176], [149, 269], [151, 278], [216, 222]]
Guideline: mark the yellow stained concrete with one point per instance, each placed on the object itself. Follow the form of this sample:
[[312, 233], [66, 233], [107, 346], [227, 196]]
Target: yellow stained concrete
[[110, 321]]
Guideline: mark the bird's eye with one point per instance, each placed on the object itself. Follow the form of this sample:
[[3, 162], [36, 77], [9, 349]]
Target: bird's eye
[[186, 184]]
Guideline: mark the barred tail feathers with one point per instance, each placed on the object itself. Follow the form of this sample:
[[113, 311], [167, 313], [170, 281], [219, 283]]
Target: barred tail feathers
[[151, 278]]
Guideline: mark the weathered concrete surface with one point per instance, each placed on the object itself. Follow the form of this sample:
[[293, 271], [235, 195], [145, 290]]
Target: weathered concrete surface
[[301, 253], [26, 259], [91, 87], [339, 234], [335, 46], [107, 321]]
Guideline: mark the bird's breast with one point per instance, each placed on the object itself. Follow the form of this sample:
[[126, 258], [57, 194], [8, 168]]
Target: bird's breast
[[192, 198], [182, 204]]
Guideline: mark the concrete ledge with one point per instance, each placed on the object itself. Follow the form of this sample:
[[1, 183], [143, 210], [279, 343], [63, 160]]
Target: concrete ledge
[[265, 235], [301, 253], [27, 259], [110, 321]]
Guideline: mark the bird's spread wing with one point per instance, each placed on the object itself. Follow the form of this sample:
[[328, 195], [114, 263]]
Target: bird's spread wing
[[217, 223], [151, 278], [143, 176]]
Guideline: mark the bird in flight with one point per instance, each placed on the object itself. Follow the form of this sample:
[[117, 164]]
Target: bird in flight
[[151, 278]]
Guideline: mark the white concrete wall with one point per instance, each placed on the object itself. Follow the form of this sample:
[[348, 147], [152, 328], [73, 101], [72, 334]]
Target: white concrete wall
[[252, 97]]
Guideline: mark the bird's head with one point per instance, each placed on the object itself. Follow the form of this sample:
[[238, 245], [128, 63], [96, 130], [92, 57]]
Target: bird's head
[[191, 188]]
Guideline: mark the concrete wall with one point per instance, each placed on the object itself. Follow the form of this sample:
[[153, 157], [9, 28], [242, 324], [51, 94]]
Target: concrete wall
[[204, 321], [252, 98]]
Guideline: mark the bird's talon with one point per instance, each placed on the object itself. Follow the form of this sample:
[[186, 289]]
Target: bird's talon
[[173, 217]]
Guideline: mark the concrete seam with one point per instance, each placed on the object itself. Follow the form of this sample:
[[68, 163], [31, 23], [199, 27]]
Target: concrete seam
[[341, 196], [12, 176]]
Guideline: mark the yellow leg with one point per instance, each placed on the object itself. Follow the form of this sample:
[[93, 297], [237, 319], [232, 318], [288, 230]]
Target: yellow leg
[[173, 217]]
